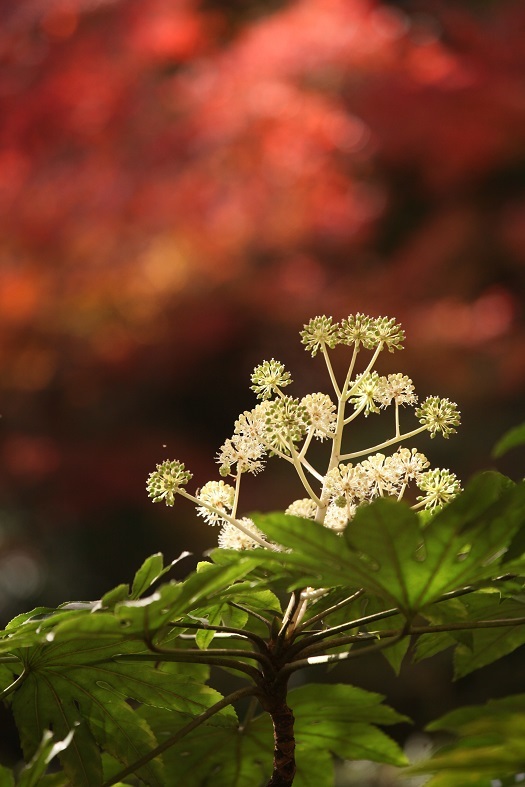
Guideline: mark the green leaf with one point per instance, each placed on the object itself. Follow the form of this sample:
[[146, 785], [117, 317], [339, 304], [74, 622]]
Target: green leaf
[[388, 551], [115, 596], [83, 685], [49, 748], [341, 719], [184, 597], [511, 439], [7, 777], [396, 652], [489, 644], [224, 757], [489, 745], [151, 570]]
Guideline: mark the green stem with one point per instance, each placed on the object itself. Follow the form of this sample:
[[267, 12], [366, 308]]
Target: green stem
[[13, 686], [250, 712], [348, 393], [246, 691], [254, 614], [330, 371], [306, 444], [222, 629], [327, 658], [328, 611], [386, 443], [232, 520], [412, 630], [300, 473], [191, 659], [355, 414], [236, 495]]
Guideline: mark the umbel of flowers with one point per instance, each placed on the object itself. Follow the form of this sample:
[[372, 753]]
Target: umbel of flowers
[[284, 427]]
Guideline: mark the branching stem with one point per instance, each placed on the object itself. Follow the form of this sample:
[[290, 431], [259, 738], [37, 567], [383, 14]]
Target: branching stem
[[246, 691]]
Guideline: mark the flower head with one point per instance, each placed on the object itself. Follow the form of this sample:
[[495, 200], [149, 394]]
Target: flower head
[[388, 333], [320, 333], [232, 537], [321, 410], [305, 508], [396, 387], [337, 517], [440, 487], [357, 329], [363, 392], [410, 463], [346, 484], [217, 498], [243, 451], [439, 415], [287, 420], [268, 378], [166, 480]]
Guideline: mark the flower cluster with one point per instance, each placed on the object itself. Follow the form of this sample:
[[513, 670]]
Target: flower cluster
[[283, 426], [359, 329], [166, 480], [269, 378]]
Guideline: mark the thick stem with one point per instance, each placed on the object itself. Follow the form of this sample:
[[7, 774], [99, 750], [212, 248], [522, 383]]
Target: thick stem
[[274, 703]]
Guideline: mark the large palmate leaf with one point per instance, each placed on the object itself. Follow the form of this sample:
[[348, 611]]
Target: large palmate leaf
[[477, 647], [342, 719], [339, 719], [81, 685], [224, 757], [489, 644], [489, 748], [388, 551]]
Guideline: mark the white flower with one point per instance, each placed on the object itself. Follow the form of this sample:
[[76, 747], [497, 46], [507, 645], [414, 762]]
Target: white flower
[[347, 483], [397, 387], [322, 414], [219, 496], [252, 423], [410, 463], [337, 517], [304, 508], [243, 451], [231, 537], [382, 474]]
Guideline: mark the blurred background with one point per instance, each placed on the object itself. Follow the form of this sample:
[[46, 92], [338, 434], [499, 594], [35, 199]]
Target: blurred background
[[183, 184]]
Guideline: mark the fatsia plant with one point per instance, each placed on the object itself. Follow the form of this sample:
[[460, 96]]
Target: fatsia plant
[[381, 553]]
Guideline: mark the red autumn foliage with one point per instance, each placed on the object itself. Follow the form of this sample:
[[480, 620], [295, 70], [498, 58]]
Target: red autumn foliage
[[173, 172]]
